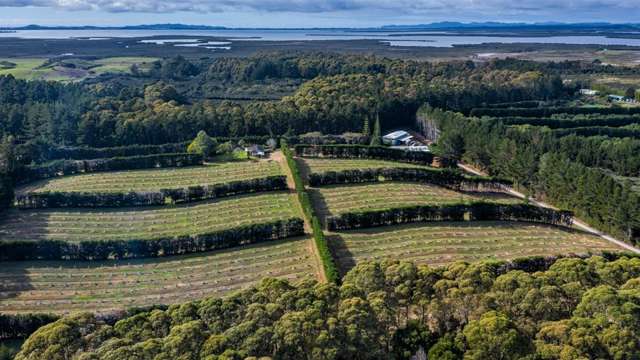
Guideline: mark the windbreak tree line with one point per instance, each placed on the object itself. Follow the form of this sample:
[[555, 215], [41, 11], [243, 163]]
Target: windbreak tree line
[[573, 172], [449, 178], [131, 249], [55, 199], [532, 308], [476, 211]]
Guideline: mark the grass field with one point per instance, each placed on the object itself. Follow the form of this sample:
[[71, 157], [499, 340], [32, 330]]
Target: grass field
[[146, 223], [101, 286], [445, 242], [337, 199], [155, 179], [315, 165], [70, 69]]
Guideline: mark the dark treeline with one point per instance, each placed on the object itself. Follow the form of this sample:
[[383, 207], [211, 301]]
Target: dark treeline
[[453, 179], [52, 199], [452, 212], [22, 325], [340, 94], [70, 167], [611, 132], [548, 111], [538, 163], [563, 121], [532, 308], [130, 249]]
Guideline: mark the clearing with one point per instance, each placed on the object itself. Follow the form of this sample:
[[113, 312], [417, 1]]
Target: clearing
[[320, 165]]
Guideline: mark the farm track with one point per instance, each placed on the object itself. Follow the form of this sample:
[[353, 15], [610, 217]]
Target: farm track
[[156, 179], [60, 287], [576, 222]]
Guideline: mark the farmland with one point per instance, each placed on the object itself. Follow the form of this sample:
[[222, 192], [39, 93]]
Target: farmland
[[102, 286], [156, 179], [69, 69], [333, 200], [441, 243], [135, 223], [316, 165]]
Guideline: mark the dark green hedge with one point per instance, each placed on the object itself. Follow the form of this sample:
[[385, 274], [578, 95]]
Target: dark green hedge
[[548, 111], [328, 262], [69, 167], [612, 132], [134, 248], [444, 177], [569, 122], [453, 212], [40, 200], [371, 152]]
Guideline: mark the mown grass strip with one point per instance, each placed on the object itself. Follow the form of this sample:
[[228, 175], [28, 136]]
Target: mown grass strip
[[328, 263]]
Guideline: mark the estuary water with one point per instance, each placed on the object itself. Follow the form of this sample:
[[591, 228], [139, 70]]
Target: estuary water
[[409, 38]]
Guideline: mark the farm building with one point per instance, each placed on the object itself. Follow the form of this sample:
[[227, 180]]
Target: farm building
[[255, 151], [589, 92], [399, 137], [620, 98], [418, 148]]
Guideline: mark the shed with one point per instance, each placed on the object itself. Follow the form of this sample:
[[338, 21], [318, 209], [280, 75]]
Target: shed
[[399, 137]]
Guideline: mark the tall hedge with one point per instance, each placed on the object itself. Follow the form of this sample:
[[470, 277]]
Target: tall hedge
[[556, 122], [453, 179], [328, 262], [452, 212], [372, 152], [69, 167], [548, 111], [52, 199], [139, 248]]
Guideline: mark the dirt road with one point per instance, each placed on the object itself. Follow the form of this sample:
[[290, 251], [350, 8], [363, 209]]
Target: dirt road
[[577, 222]]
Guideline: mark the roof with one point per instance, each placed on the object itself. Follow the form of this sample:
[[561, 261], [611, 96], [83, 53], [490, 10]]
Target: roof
[[397, 135], [254, 148]]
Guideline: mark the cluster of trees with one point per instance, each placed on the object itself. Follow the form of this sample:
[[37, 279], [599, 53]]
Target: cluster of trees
[[451, 212], [570, 308], [130, 249], [340, 94], [444, 177], [564, 170], [56, 199], [70, 167], [328, 262], [364, 152]]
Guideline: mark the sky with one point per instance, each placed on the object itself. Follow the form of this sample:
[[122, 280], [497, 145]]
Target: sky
[[310, 13]]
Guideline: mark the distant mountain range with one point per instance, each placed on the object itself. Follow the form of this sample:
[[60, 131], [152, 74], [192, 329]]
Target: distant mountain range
[[430, 26]]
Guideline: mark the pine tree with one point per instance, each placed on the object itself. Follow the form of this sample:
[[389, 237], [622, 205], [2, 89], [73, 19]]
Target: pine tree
[[376, 137]]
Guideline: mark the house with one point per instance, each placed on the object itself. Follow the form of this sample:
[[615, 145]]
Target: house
[[255, 151], [589, 92], [620, 98], [396, 138]]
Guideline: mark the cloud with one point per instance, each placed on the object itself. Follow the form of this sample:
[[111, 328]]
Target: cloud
[[396, 7]]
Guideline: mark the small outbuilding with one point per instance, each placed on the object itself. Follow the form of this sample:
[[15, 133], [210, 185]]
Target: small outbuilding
[[255, 151], [396, 138]]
